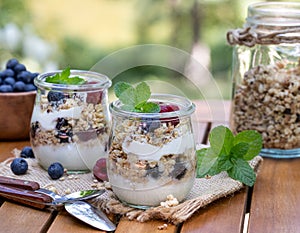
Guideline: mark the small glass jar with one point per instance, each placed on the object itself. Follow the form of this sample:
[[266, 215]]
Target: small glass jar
[[266, 77], [152, 155], [70, 124]]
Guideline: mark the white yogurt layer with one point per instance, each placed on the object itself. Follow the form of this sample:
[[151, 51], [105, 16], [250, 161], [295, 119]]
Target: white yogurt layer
[[73, 156], [145, 151], [152, 193], [48, 121]]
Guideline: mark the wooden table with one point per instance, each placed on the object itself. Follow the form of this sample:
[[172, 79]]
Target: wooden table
[[272, 205]]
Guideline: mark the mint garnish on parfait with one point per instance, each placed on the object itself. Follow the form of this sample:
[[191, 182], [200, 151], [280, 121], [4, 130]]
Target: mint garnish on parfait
[[64, 78], [230, 153], [135, 99]]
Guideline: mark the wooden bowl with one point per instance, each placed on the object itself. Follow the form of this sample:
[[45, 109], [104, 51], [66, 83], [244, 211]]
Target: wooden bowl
[[15, 115]]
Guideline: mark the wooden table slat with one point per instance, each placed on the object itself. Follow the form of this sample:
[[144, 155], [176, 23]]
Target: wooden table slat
[[275, 199], [15, 218], [225, 215]]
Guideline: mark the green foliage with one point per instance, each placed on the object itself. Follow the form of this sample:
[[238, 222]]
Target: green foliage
[[14, 11], [64, 78], [135, 98], [230, 153]]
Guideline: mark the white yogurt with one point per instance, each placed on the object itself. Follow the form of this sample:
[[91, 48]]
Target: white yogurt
[[145, 151], [73, 156], [49, 120], [151, 193]]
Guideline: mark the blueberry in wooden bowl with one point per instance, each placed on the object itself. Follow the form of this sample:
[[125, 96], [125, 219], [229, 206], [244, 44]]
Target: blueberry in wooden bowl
[[17, 96]]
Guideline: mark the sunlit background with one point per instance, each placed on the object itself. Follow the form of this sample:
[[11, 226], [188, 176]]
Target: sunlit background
[[54, 34]]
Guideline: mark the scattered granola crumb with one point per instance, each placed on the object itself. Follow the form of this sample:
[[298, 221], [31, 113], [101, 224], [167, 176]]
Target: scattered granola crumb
[[68, 191], [70, 177], [162, 227], [171, 201], [62, 178]]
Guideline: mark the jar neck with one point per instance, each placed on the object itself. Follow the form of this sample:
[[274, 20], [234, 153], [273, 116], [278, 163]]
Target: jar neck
[[273, 16]]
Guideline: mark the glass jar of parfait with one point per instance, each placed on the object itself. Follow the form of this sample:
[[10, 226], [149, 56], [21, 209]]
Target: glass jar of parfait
[[152, 155], [70, 122], [266, 77]]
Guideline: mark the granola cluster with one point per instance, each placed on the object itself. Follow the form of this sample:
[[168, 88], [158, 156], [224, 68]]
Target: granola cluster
[[92, 122], [268, 100], [169, 166]]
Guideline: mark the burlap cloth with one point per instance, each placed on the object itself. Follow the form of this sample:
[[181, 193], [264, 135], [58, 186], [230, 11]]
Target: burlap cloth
[[203, 192]]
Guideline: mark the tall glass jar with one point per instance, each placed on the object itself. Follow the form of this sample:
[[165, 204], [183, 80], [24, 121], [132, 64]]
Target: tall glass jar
[[70, 124], [152, 155], [266, 77]]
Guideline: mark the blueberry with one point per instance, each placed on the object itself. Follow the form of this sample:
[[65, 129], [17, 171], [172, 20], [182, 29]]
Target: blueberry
[[29, 87], [55, 96], [11, 63], [6, 88], [55, 170], [24, 76], [2, 75], [9, 81], [19, 67], [27, 152], [8, 73], [150, 124], [19, 166], [19, 86]]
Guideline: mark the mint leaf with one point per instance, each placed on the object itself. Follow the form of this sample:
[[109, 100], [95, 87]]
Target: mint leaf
[[239, 150], [120, 87], [242, 172], [64, 78], [149, 107], [135, 99], [142, 93], [221, 138], [127, 97], [253, 139], [206, 159], [230, 153]]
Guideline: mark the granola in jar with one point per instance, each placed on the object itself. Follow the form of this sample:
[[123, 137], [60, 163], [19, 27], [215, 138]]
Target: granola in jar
[[152, 156], [70, 123], [266, 76]]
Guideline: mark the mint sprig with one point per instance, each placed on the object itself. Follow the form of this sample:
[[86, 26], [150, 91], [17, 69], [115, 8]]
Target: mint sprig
[[230, 153], [64, 78], [135, 99]]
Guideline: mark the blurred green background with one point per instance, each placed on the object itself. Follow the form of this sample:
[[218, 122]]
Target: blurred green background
[[53, 34]]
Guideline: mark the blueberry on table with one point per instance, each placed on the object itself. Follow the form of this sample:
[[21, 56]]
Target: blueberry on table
[[19, 86], [55, 170], [27, 152], [6, 88], [55, 96], [19, 166], [11, 63]]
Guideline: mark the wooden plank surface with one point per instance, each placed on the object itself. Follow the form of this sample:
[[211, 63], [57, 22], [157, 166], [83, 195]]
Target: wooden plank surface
[[276, 199], [127, 226], [225, 215], [15, 218], [7, 147]]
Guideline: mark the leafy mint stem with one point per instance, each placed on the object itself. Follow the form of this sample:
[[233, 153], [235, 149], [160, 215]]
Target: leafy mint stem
[[65, 78], [135, 99], [230, 153]]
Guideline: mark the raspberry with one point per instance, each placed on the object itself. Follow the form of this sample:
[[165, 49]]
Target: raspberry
[[169, 108]]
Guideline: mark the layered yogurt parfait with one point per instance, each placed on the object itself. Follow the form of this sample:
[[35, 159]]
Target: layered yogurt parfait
[[70, 120], [152, 148]]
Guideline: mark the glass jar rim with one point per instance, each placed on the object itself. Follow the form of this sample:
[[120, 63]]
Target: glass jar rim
[[274, 14], [186, 107], [104, 81]]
